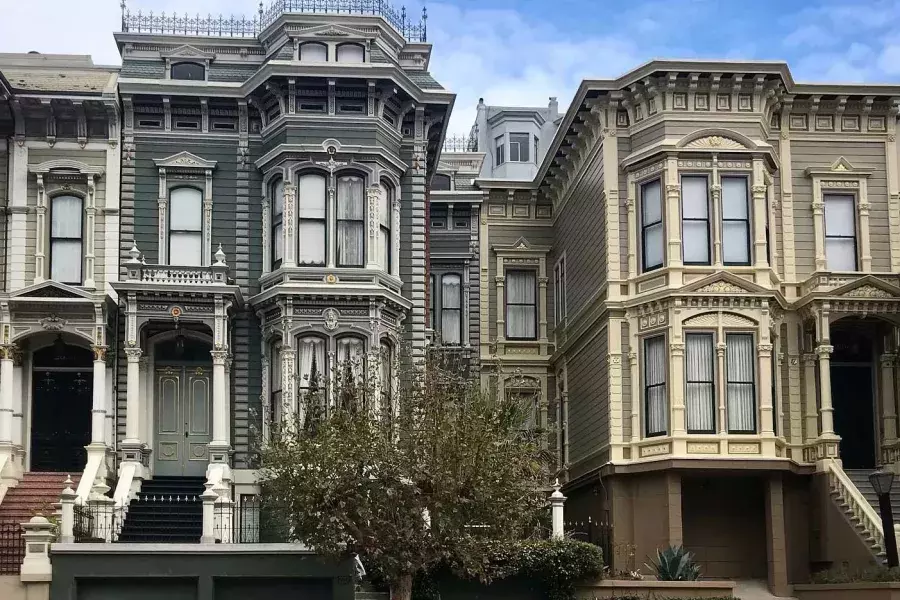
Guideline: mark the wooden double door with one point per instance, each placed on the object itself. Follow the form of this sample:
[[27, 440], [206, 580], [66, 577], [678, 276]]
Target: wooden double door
[[183, 420]]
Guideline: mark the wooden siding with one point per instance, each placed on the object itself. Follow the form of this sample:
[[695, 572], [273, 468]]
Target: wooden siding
[[626, 383], [588, 381], [4, 218]]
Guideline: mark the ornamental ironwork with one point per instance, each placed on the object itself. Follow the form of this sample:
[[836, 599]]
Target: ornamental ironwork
[[414, 30]]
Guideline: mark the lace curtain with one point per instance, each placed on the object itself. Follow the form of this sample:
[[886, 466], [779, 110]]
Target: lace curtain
[[740, 400], [350, 222], [451, 301], [655, 396], [521, 305]]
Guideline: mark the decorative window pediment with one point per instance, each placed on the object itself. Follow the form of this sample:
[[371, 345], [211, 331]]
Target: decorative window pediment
[[333, 30], [52, 289], [724, 283], [841, 169], [188, 171], [65, 166], [716, 139], [184, 160], [187, 52], [867, 287]]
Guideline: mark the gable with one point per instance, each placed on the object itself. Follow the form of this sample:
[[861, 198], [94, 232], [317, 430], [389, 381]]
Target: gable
[[867, 287], [51, 289], [724, 283], [185, 160]]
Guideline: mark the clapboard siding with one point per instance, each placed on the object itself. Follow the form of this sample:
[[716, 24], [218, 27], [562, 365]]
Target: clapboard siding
[[626, 382], [4, 219], [588, 382]]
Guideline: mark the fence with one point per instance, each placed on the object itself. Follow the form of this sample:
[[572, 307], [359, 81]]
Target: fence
[[251, 521], [97, 522], [12, 548], [597, 533]]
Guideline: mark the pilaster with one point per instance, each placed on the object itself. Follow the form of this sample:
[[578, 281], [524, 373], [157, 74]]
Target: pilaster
[[787, 192], [672, 210]]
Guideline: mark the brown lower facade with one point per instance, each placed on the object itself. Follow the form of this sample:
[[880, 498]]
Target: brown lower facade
[[741, 523]]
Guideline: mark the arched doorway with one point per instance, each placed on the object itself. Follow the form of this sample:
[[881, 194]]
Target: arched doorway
[[62, 389], [183, 408], [856, 345]]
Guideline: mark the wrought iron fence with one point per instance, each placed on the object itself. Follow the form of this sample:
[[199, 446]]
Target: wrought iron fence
[[12, 548], [98, 523], [597, 533], [461, 143], [411, 29], [251, 521]]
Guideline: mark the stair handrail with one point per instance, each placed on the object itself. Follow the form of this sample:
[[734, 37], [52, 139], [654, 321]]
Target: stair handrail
[[847, 491]]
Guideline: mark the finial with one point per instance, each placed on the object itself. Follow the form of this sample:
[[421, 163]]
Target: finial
[[134, 253], [220, 256], [260, 10]]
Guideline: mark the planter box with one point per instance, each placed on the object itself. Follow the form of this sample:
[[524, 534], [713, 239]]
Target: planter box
[[848, 591], [616, 588]]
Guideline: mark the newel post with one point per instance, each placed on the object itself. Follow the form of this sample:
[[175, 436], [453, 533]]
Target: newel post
[[38, 537], [557, 500], [209, 498], [67, 520]]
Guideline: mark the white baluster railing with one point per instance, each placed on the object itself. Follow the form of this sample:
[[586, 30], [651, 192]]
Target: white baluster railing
[[847, 492]]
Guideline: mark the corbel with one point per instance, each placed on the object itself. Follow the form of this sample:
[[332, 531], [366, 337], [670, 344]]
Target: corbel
[[637, 99], [649, 84], [715, 80], [866, 109], [693, 86], [839, 113], [737, 83], [371, 96], [255, 103], [112, 118], [813, 110], [671, 80], [759, 97], [276, 91], [167, 113], [292, 96], [893, 111], [81, 123], [51, 122]]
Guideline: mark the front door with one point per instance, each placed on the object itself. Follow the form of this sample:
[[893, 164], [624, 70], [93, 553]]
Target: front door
[[61, 420], [183, 420], [854, 414]]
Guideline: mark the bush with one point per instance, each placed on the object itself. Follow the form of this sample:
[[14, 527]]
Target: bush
[[844, 575], [675, 564]]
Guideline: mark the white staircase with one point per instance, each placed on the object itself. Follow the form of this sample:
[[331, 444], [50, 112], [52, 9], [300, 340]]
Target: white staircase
[[857, 508]]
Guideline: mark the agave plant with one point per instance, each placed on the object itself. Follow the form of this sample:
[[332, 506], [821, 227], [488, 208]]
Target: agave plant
[[675, 564]]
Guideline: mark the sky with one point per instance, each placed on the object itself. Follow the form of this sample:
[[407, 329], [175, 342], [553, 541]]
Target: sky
[[521, 52]]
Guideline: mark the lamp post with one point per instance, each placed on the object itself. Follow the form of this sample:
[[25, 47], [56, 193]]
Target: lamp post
[[881, 481]]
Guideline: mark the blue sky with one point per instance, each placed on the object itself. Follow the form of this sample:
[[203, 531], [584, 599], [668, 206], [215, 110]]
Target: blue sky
[[521, 52]]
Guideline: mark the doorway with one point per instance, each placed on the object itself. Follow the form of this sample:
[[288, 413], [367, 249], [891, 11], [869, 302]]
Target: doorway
[[853, 393], [62, 390], [183, 415]]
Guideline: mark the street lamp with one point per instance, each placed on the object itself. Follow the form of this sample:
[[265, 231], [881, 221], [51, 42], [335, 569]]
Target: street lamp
[[881, 481]]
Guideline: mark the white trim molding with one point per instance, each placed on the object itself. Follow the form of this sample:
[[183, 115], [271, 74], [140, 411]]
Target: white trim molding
[[173, 172]]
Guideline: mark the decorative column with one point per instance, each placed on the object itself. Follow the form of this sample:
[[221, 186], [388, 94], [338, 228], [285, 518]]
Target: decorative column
[[810, 409], [39, 240], [395, 235], [766, 408], [98, 408], [373, 197], [888, 409], [220, 438], [716, 191], [266, 244], [865, 246], [18, 399], [90, 218], [632, 228], [635, 389], [6, 394], [676, 390], [826, 410], [672, 212], [133, 397], [818, 208], [288, 385], [289, 252], [330, 231], [758, 190], [720, 385], [162, 207]]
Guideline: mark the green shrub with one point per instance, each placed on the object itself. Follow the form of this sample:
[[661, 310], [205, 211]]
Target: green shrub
[[675, 564], [844, 575]]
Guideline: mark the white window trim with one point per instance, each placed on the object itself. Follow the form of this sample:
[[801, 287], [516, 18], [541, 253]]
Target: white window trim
[[841, 178], [182, 170], [561, 309], [521, 256]]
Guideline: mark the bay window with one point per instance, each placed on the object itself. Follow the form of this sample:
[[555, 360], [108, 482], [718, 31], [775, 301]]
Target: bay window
[[700, 402], [185, 227], [740, 382], [840, 232], [735, 221], [350, 221], [385, 201], [656, 404], [500, 147], [451, 309], [311, 359], [518, 147], [521, 305], [695, 219], [66, 239], [651, 226], [277, 223], [311, 219]]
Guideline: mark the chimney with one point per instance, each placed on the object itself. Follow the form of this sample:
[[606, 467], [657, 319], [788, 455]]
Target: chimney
[[554, 107]]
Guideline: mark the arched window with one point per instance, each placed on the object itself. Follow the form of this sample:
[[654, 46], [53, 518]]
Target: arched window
[[451, 309], [350, 221], [311, 215], [440, 183], [351, 53], [66, 231], [311, 363], [385, 201], [185, 227], [350, 355], [188, 70], [277, 194], [313, 52]]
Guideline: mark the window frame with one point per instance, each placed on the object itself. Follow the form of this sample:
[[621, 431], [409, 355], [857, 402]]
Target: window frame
[[320, 44], [712, 382], [323, 221], [660, 338], [458, 310], [705, 177], [506, 303], [337, 220], [337, 53], [277, 219], [642, 186], [387, 228], [519, 147], [53, 238], [170, 230], [500, 150], [192, 63], [854, 201], [748, 221], [754, 384]]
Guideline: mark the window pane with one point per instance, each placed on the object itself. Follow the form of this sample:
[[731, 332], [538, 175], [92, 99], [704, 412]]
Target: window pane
[[185, 249], [694, 199], [450, 326], [278, 234], [384, 248], [190, 71], [520, 287], [311, 358], [65, 261], [656, 401], [524, 146], [384, 205], [520, 323], [350, 53], [740, 402], [840, 254], [651, 204], [653, 246], [450, 291], [736, 242], [351, 203], [313, 53], [513, 151], [185, 210], [278, 197], [698, 372], [311, 194], [695, 241], [66, 217], [734, 198], [839, 215], [311, 243], [350, 243]]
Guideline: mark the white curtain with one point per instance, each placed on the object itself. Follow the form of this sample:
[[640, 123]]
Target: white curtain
[[350, 222], [451, 302], [350, 53], [740, 402], [695, 219], [384, 226], [310, 352], [278, 223], [350, 352], [275, 378], [311, 213], [735, 221], [840, 232], [699, 388], [185, 227], [655, 395], [521, 305], [652, 227], [65, 233], [313, 52]]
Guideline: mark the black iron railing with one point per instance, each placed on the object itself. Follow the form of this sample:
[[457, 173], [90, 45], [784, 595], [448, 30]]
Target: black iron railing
[[97, 523], [597, 533], [12, 548], [414, 30], [251, 521], [461, 143]]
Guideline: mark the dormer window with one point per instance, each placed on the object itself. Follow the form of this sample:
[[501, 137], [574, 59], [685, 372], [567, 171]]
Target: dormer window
[[188, 71], [351, 53], [313, 52]]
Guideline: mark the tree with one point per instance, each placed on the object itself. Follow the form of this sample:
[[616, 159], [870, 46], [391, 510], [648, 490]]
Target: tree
[[409, 475]]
